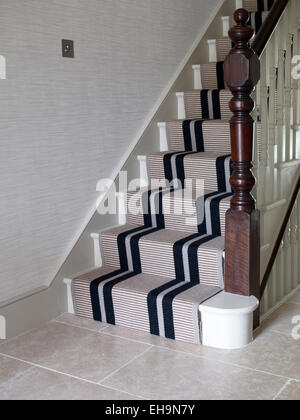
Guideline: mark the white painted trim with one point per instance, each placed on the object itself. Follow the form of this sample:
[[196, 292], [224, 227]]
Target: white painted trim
[[197, 76], [143, 171], [288, 164], [2, 328], [273, 206], [122, 208], [181, 105], [23, 296], [2, 67], [227, 321], [279, 304], [226, 25], [68, 283], [212, 46], [164, 146], [97, 249], [239, 4]]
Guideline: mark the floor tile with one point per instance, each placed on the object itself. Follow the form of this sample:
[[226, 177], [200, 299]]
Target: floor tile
[[79, 352], [80, 322], [291, 392], [271, 352], [40, 384], [10, 369], [154, 340], [164, 374], [281, 320]]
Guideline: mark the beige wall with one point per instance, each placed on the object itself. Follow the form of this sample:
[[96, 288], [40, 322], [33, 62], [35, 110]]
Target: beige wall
[[64, 123]]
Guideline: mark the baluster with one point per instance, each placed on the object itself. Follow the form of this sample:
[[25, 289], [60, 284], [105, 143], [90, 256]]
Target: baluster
[[272, 120], [279, 117], [297, 228], [288, 84], [264, 93], [281, 274], [287, 260], [295, 257]]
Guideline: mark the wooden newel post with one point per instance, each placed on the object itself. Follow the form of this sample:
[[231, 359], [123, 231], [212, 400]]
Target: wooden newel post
[[242, 73]]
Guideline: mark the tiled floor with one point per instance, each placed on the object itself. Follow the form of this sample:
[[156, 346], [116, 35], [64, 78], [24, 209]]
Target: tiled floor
[[74, 358]]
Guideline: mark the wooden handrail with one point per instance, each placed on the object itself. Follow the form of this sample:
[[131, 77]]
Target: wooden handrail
[[266, 30], [279, 240]]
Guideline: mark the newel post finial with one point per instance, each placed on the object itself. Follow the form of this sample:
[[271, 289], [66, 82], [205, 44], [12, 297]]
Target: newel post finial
[[242, 73]]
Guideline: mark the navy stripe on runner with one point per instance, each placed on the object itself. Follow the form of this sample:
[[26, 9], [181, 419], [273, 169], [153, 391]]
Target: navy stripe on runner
[[186, 128], [220, 75], [193, 258], [260, 5], [95, 295], [221, 173], [204, 104], [199, 135], [168, 309], [258, 21], [215, 213], [152, 305], [216, 104]]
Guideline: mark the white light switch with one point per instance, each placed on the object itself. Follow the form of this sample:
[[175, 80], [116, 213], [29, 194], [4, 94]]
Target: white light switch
[[2, 67]]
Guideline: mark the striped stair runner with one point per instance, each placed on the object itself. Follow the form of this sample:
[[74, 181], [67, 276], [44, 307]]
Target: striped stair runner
[[169, 257]]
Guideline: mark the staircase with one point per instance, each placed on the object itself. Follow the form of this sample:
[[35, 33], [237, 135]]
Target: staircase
[[169, 257]]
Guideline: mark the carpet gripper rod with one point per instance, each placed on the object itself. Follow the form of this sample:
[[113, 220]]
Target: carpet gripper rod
[[156, 270]]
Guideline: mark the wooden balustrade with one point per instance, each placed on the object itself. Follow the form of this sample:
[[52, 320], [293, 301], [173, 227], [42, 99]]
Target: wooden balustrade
[[242, 74]]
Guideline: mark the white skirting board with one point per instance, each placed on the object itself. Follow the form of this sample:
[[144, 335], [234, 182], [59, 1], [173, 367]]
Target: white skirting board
[[32, 311]]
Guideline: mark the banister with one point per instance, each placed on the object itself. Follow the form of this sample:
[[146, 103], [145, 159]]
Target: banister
[[266, 30], [242, 73], [279, 239]]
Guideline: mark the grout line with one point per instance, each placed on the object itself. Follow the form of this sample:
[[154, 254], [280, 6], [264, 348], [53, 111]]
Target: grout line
[[101, 331], [64, 374], [282, 389], [77, 326], [229, 363], [186, 353], [128, 339], [126, 364], [271, 330], [119, 390]]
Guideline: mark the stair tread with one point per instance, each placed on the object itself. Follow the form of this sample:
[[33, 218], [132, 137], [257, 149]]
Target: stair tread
[[205, 121], [193, 156], [165, 237], [144, 283]]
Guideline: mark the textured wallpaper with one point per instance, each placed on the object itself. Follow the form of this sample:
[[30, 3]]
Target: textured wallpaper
[[64, 123]]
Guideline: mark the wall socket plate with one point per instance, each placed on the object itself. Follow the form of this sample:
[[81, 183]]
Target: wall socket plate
[[68, 48]]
